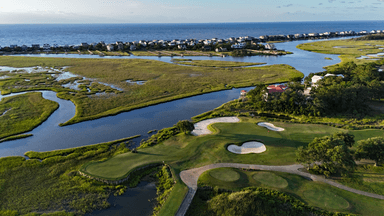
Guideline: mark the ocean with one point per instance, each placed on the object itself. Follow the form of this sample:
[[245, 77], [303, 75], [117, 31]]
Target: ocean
[[74, 34]]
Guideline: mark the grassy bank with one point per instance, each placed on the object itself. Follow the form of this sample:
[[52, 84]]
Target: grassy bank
[[24, 113], [165, 82], [213, 63], [312, 193]]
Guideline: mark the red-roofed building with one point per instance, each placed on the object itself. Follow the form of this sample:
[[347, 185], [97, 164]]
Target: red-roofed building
[[243, 93], [275, 89]]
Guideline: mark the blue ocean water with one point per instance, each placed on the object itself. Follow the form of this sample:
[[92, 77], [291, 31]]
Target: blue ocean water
[[73, 34]]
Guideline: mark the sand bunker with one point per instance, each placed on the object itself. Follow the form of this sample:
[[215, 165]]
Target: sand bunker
[[247, 148], [270, 126], [201, 128]]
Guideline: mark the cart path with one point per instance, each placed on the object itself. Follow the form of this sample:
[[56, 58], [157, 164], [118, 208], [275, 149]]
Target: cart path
[[190, 177]]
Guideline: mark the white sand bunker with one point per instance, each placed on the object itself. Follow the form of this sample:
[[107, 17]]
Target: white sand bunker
[[248, 147], [270, 126], [201, 128]]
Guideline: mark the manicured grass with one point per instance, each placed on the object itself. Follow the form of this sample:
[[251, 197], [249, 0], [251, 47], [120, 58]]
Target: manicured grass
[[224, 174], [315, 194], [187, 151], [213, 63], [270, 179], [348, 49], [24, 113], [325, 199], [165, 82]]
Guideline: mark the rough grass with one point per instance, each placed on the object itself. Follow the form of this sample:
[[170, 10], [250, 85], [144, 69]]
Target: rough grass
[[165, 82], [366, 178], [313, 193], [26, 111], [213, 63]]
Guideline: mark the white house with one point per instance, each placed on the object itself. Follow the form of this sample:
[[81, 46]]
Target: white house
[[238, 46], [84, 44], [270, 46], [313, 34], [110, 47], [316, 79], [182, 47]]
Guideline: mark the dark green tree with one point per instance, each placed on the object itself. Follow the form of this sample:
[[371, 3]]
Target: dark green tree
[[372, 149], [185, 126], [328, 155]]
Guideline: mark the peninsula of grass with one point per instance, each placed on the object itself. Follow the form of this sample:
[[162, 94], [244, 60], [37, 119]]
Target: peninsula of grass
[[349, 50], [25, 112], [164, 82], [312, 193], [14, 137], [214, 63]]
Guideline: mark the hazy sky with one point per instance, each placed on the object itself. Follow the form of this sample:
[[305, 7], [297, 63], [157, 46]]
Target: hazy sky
[[186, 11]]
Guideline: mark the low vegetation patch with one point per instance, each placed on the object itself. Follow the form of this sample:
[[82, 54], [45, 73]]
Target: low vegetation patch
[[270, 179], [213, 63], [25, 113]]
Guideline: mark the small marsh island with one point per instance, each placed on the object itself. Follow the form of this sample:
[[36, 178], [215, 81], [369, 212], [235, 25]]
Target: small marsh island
[[289, 145]]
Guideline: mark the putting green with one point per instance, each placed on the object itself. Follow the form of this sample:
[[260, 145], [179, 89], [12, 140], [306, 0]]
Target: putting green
[[270, 179], [325, 199], [225, 174]]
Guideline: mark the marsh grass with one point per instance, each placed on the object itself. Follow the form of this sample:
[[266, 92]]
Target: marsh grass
[[214, 63], [349, 50], [164, 82], [26, 111], [53, 184]]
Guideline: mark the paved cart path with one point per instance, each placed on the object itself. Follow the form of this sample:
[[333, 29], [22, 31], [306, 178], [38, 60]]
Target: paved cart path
[[190, 177]]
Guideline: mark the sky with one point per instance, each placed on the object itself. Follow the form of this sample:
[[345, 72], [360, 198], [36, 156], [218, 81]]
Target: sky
[[186, 11]]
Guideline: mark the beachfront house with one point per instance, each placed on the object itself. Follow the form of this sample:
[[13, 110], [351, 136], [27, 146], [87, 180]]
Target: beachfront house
[[182, 47], [206, 48], [13, 46], [132, 48], [313, 34], [120, 46], [85, 45], [238, 46], [270, 46], [35, 46], [24, 47], [221, 49], [110, 47], [316, 79], [47, 47]]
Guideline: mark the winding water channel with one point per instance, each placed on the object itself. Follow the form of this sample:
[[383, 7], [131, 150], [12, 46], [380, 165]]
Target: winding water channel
[[139, 201], [49, 136]]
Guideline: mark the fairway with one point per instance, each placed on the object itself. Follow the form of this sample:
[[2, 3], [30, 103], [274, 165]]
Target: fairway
[[224, 174], [188, 151], [326, 199], [270, 179], [315, 194]]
